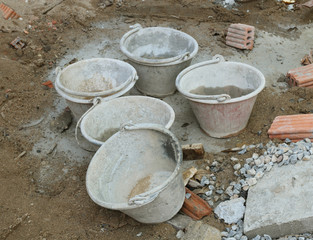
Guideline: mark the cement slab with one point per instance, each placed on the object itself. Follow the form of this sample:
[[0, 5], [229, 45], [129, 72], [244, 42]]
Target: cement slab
[[281, 202]]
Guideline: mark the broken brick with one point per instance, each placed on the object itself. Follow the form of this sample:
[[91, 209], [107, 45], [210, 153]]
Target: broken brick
[[240, 36], [195, 207], [17, 43], [193, 151], [301, 76], [8, 12]]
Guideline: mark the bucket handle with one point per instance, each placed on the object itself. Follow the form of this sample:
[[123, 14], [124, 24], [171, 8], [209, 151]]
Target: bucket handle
[[95, 101], [220, 98], [151, 62]]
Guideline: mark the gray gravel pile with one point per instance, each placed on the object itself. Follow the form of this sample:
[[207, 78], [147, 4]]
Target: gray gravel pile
[[254, 169]]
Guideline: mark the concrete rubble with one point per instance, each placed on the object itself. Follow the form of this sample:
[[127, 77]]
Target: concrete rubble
[[231, 211]]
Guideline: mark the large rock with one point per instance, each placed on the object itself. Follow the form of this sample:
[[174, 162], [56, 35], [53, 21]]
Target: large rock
[[281, 202], [201, 231], [231, 211]]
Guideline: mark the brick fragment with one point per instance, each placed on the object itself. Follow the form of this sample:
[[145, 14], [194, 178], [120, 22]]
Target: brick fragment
[[8, 12], [193, 151], [17, 43], [301, 76], [240, 36]]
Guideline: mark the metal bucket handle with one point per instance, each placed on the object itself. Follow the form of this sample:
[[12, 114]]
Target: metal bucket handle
[[149, 196], [221, 97], [95, 101], [159, 62], [58, 71]]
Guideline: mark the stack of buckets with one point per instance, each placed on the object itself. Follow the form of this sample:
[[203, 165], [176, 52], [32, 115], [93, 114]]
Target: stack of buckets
[[144, 149]]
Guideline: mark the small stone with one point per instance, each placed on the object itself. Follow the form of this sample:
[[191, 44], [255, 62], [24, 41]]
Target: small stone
[[251, 181], [306, 158], [255, 156], [208, 193], [188, 195], [287, 140], [301, 238], [139, 234], [268, 167], [300, 156], [274, 159], [279, 159], [250, 160], [267, 237], [251, 172], [308, 140], [231, 211], [237, 166], [259, 175], [234, 159], [245, 188], [229, 191], [180, 234], [243, 151], [224, 234], [244, 238], [219, 191], [258, 237], [267, 159]]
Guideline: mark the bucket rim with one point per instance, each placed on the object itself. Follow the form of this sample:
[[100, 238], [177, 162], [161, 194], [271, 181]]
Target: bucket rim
[[100, 93], [107, 102], [89, 100], [189, 95], [158, 62], [154, 192]]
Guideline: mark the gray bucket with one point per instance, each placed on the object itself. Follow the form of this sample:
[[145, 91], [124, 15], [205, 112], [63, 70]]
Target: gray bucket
[[81, 82], [108, 117], [158, 54], [137, 172]]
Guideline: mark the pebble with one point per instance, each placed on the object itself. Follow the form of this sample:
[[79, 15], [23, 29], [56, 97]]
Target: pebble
[[251, 172], [306, 158], [234, 159], [180, 234], [237, 166], [251, 181], [259, 175]]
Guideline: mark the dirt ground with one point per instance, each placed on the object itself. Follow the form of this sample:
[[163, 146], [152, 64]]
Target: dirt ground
[[43, 193]]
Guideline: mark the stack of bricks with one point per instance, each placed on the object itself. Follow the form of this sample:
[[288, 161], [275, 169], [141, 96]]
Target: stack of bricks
[[301, 76], [8, 12], [294, 127], [240, 36]]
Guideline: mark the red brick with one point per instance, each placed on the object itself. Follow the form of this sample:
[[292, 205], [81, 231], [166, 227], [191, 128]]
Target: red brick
[[240, 36], [301, 76]]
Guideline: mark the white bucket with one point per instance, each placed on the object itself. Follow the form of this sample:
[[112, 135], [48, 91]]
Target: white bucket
[[81, 82], [220, 115], [137, 172], [108, 117], [158, 54]]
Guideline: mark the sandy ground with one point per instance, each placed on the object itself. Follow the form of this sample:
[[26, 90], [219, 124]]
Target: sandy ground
[[43, 193]]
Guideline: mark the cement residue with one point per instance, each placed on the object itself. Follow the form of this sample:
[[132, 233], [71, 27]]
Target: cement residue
[[149, 182], [97, 83], [231, 90]]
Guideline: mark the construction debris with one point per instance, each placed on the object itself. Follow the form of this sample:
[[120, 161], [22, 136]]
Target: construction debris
[[195, 207], [8, 12], [308, 4], [193, 151], [188, 174], [301, 76], [240, 36], [307, 59], [17, 43], [293, 127]]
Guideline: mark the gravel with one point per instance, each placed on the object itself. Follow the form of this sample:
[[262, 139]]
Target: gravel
[[253, 170]]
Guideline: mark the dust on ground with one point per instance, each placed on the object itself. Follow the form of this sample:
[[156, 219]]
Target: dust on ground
[[43, 194]]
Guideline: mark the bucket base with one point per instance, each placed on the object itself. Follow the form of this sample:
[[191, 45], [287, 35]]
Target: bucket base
[[155, 94], [226, 136]]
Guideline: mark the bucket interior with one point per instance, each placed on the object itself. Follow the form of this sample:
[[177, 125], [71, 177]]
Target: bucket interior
[[108, 117], [129, 163], [96, 75], [159, 43], [234, 79]]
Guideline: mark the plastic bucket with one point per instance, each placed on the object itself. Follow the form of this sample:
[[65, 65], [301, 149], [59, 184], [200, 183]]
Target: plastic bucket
[[81, 82], [218, 115], [108, 117], [137, 172], [158, 54]]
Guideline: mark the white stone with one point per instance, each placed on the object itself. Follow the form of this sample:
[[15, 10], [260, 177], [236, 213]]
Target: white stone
[[237, 166], [251, 172], [180, 234], [274, 159], [231, 211], [306, 158], [281, 203], [255, 156], [234, 159], [251, 181], [267, 159], [259, 175]]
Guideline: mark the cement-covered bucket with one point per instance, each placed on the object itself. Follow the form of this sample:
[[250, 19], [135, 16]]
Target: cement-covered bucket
[[108, 117], [158, 54], [81, 82], [221, 94], [137, 172]]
